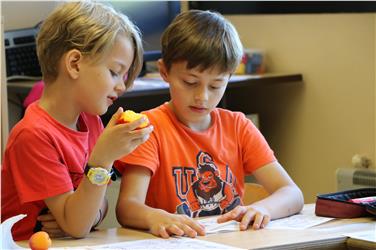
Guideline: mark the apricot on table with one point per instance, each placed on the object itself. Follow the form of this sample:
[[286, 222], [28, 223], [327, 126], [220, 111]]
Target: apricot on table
[[40, 241]]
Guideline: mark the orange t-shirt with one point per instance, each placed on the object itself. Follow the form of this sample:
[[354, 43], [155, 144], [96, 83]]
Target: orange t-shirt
[[199, 173]]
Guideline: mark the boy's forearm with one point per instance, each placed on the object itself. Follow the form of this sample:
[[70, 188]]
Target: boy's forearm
[[135, 214], [285, 201]]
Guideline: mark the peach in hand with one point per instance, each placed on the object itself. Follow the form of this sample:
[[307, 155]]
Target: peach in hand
[[40, 241], [130, 116]]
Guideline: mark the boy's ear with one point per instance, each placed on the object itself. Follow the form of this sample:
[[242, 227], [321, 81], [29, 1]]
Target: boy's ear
[[162, 70], [72, 61]]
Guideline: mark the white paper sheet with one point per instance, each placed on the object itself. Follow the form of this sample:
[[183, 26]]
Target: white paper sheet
[[369, 235], [7, 241], [156, 244], [298, 221], [212, 226]]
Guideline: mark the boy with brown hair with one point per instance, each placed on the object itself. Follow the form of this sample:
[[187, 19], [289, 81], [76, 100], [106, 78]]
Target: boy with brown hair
[[197, 156], [59, 157]]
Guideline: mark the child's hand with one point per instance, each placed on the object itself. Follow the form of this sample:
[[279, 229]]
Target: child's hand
[[176, 224], [245, 215], [50, 226], [118, 140]]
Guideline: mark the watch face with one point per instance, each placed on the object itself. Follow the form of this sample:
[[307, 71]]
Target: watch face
[[98, 176]]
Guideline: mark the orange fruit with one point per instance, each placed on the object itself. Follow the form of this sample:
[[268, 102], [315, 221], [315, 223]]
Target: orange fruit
[[40, 241], [130, 116]]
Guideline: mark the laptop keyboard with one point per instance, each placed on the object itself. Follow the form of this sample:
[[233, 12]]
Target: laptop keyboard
[[20, 55]]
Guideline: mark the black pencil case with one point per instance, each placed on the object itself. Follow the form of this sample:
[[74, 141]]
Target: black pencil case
[[343, 204]]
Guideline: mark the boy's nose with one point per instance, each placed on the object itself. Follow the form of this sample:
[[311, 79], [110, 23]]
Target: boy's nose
[[201, 94]]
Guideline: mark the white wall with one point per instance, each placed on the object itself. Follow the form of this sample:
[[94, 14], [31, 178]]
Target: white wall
[[3, 98], [332, 117], [19, 15], [25, 14]]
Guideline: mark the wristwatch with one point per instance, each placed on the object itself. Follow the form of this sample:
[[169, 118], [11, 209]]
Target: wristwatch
[[98, 176]]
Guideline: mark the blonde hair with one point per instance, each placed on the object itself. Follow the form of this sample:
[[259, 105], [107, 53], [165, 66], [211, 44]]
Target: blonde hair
[[88, 27], [204, 39]]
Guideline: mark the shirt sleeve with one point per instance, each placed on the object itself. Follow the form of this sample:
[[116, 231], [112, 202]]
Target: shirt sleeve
[[145, 155], [256, 152], [36, 167]]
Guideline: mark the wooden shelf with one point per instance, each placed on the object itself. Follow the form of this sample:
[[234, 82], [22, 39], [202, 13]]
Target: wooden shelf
[[153, 84]]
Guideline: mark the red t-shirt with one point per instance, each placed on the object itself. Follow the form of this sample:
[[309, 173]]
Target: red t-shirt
[[199, 173], [42, 159]]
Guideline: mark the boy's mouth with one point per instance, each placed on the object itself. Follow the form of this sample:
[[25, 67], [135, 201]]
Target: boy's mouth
[[198, 109]]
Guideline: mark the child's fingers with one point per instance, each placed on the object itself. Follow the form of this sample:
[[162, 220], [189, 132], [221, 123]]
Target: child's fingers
[[163, 232], [173, 229], [257, 221], [137, 123], [140, 133], [50, 225], [138, 141], [54, 233], [234, 214], [196, 227], [247, 218], [46, 217], [115, 117], [188, 231], [265, 221], [225, 217]]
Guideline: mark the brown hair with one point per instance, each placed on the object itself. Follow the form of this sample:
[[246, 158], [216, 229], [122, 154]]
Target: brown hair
[[204, 39], [88, 27]]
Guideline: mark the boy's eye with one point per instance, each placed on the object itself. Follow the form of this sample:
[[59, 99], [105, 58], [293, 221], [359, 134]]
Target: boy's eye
[[189, 83], [215, 87]]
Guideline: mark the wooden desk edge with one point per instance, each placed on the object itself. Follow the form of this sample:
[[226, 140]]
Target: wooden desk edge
[[360, 244]]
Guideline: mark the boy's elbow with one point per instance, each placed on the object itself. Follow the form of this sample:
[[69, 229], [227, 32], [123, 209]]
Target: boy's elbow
[[299, 198], [121, 214], [127, 212]]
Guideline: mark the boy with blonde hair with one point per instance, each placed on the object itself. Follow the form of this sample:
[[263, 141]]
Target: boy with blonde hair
[[59, 157], [197, 156]]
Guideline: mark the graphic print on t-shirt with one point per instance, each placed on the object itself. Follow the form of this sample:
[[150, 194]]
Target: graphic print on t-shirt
[[202, 190]]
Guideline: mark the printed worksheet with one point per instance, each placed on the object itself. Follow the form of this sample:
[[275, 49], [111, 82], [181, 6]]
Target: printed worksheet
[[212, 226], [182, 243], [298, 221], [303, 220]]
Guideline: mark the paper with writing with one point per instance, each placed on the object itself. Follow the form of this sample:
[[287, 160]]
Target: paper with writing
[[212, 226], [156, 244]]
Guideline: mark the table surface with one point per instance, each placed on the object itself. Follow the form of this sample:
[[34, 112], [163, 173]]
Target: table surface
[[325, 236]]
